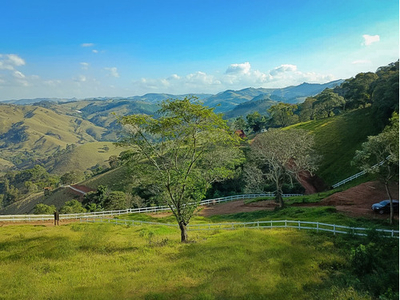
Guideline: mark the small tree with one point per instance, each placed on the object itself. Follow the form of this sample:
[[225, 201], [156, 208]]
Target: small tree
[[256, 122], [176, 152], [72, 207], [280, 156], [43, 209], [380, 156], [328, 102], [117, 200], [97, 198], [71, 177], [282, 115]]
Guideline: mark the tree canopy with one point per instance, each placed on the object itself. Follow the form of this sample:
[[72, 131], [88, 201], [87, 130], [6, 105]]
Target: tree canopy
[[278, 156], [181, 153]]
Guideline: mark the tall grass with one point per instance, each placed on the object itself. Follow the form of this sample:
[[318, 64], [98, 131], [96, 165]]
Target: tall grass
[[104, 261]]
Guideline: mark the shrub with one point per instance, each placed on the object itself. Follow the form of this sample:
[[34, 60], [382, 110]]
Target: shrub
[[43, 209], [72, 207]]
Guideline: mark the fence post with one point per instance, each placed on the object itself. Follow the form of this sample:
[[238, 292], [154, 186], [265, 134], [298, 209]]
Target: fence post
[[258, 224], [285, 223], [299, 225], [317, 227], [334, 229]]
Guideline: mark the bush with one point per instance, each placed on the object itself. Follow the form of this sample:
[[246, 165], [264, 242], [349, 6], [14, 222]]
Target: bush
[[376, 265], [72, 207], [43, 209]]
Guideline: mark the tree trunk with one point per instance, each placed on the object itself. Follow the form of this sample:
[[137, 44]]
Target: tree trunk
[[278, 196], [391, 202], [182, 227]]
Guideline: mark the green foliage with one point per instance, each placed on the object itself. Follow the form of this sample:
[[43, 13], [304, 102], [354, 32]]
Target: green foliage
[[256, 122], [117, 200], [358, 90], [385, 95], [15, 185], [380, 156], [72, 177], [327, 104], [72, 207], [282, 115], [43, 209], [378, 256], [97, 198], [182, 153]]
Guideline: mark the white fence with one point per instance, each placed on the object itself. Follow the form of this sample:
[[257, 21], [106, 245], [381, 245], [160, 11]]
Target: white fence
[[355, 176], [349, 179], [101, 214], [300, 225]]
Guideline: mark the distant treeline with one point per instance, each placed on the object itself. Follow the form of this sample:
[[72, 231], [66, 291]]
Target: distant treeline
[[379, 90]]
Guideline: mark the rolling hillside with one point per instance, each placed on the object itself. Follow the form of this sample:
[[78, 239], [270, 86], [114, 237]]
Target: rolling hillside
[[28, 133], [337, 139], [83, 157]]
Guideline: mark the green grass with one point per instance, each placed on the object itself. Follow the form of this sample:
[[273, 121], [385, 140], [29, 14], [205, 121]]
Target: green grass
[[337, 139], [323, 214], [116, 179], [103, 261], [84, 157]]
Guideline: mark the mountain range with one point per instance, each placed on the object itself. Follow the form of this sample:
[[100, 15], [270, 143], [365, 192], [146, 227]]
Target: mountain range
[[222, 102], [40, 130]]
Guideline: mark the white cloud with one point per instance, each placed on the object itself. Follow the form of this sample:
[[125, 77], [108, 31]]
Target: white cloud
[[237, 76], [10, 61], [52, 83], [243, 68], [18, 74], [80, 78], [361, 62], [95, 51], [112, 72], [84, 65], [282, 69], [370, 39], [87, 45]]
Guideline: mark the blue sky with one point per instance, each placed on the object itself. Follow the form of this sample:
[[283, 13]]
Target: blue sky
[[124, 48]]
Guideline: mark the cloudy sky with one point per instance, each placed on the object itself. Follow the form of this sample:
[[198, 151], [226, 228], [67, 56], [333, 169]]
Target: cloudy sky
[[124, 48]]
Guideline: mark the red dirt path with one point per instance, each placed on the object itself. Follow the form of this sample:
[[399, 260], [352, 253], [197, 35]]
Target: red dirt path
[[355, 202]]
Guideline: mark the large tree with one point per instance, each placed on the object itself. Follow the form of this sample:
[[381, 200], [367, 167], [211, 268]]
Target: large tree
[[183, 151], [328, 103], [279, 156], [380, 156], [282, 115]]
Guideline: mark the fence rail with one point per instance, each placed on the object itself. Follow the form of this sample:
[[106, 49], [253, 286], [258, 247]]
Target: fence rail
[[300, 225], [101, 214], [349, 179], [356, 175]]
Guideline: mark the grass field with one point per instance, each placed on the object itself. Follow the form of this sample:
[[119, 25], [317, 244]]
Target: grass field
[[102, 261], [106, 261]]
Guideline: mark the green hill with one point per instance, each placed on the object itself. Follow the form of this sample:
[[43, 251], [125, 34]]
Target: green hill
[[31, 133], [337, 139], [83, 157]]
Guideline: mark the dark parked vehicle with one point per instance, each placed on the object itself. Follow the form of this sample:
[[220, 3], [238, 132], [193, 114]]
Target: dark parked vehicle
[[384, 206]]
